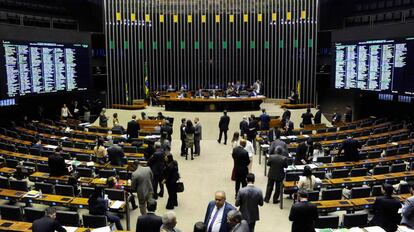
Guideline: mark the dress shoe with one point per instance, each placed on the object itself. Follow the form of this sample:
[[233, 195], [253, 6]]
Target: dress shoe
[[218, 141], [265, 200]]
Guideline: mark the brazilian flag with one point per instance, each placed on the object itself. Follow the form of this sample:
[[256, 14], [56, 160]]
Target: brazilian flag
[[146, 83]]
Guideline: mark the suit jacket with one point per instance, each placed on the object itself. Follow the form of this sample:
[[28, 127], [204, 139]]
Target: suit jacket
[[265, 120], [224, 123], [149, 223], [47, 224], [303, 152], [115, 154], [241, 227], [280, 143], [244, 127], [348, 116], [386, 213], [141, 182], [408, 212], [197, 132], [167, 129], [303, 215], [277, 163], [317, 118], [241, 161], [132, 129], [103, 120], [253, 127], [157, 163], [249, 198], [57, 165], [99, 207], [286, 115], [307, 118], [182, 132], [289, 129], [227, 208], [351, 152]]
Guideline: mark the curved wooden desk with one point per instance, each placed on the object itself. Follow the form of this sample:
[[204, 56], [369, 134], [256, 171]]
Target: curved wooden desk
[[214, 104]]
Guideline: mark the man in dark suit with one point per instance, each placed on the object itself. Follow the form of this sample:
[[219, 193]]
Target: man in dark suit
[[274, 136], [38, 144], [350, 147], [286, 114], [115, 154], [307, 118], [57, 165], [157, 165], [241, 162], [166, 127], [386, 210], [303, 214], [197, 136], [253, 127], [264, 120], [348, 114], [249, 199], [183, 136], [244, 126], [303, 152], [224, 126], [288, 126], [294, 97], [133, 128], [48, 223], [276, 174], [318, 115], [149, 222], [216, 214]]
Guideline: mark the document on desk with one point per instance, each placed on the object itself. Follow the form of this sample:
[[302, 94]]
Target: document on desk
[[374, 229], [102, 229], [117, 204], [306, 136], [51, 146], [63, 138], [292, 137], [70, 228]]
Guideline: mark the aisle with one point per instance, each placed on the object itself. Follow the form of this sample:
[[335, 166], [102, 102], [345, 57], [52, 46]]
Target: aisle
[[211, 171]]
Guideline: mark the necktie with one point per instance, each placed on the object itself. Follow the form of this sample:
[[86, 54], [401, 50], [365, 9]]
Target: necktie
[[212, 221]]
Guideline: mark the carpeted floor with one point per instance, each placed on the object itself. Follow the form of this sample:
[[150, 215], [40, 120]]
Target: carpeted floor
[[211, 171]]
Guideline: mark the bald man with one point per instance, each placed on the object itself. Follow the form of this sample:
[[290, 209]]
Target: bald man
[[216, 214]]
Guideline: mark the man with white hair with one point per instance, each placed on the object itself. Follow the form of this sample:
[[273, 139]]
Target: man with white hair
[[169, 221]]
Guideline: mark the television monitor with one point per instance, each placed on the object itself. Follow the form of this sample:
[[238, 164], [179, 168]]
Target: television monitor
[[385, 66], [30, 68]]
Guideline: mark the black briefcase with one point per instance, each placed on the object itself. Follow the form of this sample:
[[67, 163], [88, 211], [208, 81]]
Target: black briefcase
[[180, 187]]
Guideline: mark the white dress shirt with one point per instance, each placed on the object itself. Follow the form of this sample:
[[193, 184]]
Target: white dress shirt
[[217, 223]]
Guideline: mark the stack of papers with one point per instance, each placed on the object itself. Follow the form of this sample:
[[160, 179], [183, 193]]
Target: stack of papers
[[88, 164], [291, 137], [51, 146], [32, 194], [117, 204]]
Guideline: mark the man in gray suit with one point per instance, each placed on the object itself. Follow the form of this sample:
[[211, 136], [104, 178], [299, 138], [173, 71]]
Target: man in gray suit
[[277, 163], [142, 184], [249, 198], [197, 136], [408, 210], [235, 220], [274, 137]]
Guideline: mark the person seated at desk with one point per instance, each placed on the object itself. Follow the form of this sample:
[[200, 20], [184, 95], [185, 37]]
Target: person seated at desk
[[38, 144], [118, 129], [100, 151], [199, 93], [307, 118], [288, 126], [307, 181], [160, 116], [386, 210], [115, 154], [113, 182], [229, 89], [304, 152], [293, 98], [170, 88], [48, 223], [57, 165], [99, 206]]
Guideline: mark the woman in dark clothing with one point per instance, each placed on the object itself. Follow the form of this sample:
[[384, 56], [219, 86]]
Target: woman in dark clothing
[[99, 206], [171, 178], [189, 140]]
